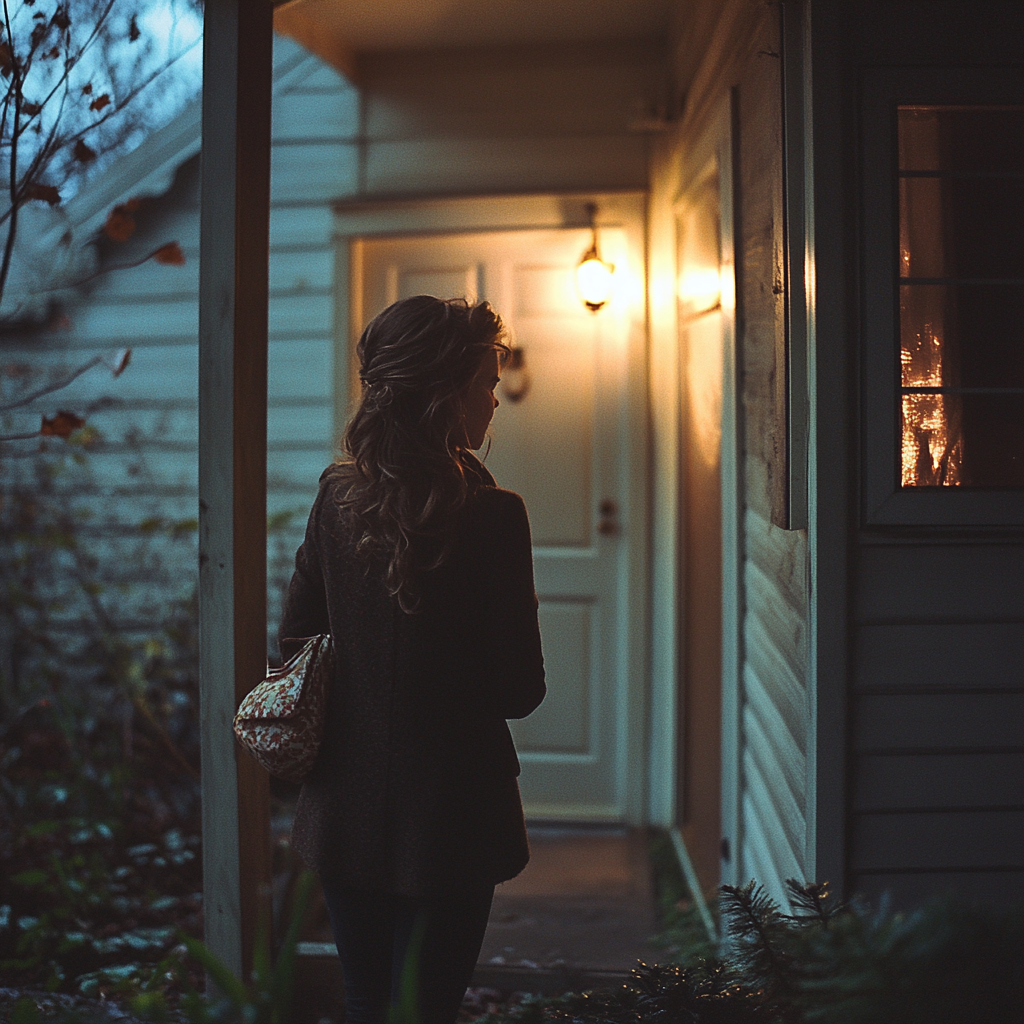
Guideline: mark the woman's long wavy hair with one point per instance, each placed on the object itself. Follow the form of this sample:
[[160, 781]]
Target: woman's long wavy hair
[[404, 447]]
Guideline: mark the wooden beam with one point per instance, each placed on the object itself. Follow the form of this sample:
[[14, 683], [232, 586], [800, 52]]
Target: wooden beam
[[316, 25], [794, 361], [233, 293]]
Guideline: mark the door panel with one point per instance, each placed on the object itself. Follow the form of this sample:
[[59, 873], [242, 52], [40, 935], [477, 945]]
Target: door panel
[[558, 440]]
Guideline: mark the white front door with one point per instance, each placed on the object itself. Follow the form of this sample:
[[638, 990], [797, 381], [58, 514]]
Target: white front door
[[560, 440]]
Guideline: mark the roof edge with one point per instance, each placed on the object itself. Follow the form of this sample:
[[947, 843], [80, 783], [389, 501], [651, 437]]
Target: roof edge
[[149, 169]]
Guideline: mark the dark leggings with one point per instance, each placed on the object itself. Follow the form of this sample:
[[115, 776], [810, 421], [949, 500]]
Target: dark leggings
[[405, 960]]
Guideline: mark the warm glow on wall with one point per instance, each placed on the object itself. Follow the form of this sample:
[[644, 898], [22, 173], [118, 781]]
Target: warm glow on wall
[[700, 288]]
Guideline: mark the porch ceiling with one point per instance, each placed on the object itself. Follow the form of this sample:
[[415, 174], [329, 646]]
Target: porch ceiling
[[339, 30]]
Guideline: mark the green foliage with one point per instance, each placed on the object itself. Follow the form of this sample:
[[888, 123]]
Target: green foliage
[[99, 739], [945, 963], [268, 998], [25, 1012], [683, 933], [825, 963]]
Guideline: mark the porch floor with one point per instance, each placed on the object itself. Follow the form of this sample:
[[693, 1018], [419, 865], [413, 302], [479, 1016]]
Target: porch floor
[[577, 918], [583, 906]]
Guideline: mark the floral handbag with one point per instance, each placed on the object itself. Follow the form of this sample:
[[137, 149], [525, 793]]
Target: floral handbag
[[281, 720]]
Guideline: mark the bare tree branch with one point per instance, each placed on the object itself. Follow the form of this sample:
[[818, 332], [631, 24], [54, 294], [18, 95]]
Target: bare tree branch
[[5, 267], [48, 389]]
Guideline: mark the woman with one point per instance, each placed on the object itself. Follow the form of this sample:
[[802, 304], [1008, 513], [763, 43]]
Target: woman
[[421, 570]]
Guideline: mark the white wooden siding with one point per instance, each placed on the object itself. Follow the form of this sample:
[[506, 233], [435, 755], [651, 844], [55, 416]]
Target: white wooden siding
[[147, 463], [545, 119], [937, 720], [774, 702], [776, 711], [765, 808]]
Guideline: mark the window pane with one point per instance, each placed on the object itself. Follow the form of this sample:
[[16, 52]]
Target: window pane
[[961, 227], [993, 427], [921, 250], [962, 139], [932, 449], [962, 335], [963, 441]]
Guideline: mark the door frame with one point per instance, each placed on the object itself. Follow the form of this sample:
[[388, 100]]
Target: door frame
[[357, 221], [714, 146], [684, 156]]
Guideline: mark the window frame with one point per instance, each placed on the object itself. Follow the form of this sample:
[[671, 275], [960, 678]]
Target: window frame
[[885, 502]]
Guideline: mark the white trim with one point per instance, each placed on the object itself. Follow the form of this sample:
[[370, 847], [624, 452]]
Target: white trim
[[732, 513], [376, 218], [692, 882], [146, 171], [664, 384]]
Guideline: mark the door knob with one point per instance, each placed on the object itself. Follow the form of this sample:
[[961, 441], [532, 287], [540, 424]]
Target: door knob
[[608, 521]]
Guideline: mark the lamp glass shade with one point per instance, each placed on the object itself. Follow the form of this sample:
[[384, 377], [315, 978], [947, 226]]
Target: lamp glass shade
[[594, 282]]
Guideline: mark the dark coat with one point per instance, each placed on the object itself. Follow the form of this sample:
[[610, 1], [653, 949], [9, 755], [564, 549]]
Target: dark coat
[[415, 787]]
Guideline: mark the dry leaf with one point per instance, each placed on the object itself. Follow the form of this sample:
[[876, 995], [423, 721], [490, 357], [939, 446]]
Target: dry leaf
[[87, 89], [170, 254], [58, 321], [83, 152], [64, 424], [100, 102], [120, 225], [118, 360], [133, 30], [61, 18], [44, 193], [31, 108]]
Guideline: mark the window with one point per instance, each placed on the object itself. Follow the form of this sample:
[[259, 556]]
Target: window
[[961, 282], [944, 277]]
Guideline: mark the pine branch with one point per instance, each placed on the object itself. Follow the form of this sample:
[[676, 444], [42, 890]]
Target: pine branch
[[813, 902], [760, 930]]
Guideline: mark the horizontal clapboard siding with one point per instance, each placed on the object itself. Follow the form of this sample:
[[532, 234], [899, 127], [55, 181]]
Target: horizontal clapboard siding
[[947, 655], [937, 720], [945, 840], [419, 134], [294, 271], [917, 582], [144, 468], [912, 888], [934, 721], [298, 369], [928, 781], [119, 321]]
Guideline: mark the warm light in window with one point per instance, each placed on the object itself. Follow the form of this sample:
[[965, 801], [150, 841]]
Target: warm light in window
[[931, 448]]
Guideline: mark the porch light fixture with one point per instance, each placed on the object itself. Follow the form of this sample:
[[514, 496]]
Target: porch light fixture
[[593, 275]]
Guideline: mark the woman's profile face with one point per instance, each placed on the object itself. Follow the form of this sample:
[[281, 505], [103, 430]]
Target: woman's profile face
[[478, 400]]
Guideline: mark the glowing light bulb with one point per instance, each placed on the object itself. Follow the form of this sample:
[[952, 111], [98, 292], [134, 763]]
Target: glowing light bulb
[[594, 281]]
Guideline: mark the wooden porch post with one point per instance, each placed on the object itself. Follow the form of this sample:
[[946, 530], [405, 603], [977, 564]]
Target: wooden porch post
[[233, 292]]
